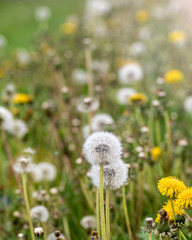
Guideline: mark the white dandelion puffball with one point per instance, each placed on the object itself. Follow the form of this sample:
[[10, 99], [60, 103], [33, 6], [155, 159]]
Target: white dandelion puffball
[[88, 222], [39, 213], [101, 121], [114, 175], [3, 41], [188, 104], [36, 173], [80, 76], [23, 56], [102, 147], [87, 104], [20, 128], [97, 7], [123, 95], [23, 164], [48, 171], [52, 237], [101, 67], [8, 92], [137, 48], [98, 123], [6, 119], [42, 13], [130, 73]]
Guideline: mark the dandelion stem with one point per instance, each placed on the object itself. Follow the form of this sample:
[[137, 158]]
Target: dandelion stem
[[108, 213], [88, 59], [168, 131], [150, 236], [10, 157], [27, 204], [102, 210], [126, 214], [98, 214], [139, 116], [172, 208], [66, 228], [158, 132]]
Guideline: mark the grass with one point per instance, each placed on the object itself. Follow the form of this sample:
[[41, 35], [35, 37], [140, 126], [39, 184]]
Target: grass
[[19, 25]]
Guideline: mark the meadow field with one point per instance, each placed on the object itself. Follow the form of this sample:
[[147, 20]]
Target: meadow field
[[95, 120]]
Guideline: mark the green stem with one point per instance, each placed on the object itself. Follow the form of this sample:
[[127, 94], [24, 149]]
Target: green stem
[[126, 214], [102, 210], [158, 132], [172, 208], [108, 214], [27, 204], [168, 130], [139, 116], [98, 214], [179, 234], [183, 236], [66, 228], [88, 59], [150, 236]]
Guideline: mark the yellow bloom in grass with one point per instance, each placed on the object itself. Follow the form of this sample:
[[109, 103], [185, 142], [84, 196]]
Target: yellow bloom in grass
[[68, 28], [174, 76], [142, 16], [155, 153], [22, 98], [171, 186], [1, 73], [184, 199], [177, 36], [169, 211], [138, 98]]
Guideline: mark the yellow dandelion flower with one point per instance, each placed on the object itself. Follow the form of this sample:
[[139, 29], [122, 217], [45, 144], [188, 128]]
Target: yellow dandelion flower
[[174, 76], [184, 199], [156, 153], [142, 16], [170, 186], [177, 36], [169, 210], [1, 73], [22, 98], [68, 28], [138, 98]]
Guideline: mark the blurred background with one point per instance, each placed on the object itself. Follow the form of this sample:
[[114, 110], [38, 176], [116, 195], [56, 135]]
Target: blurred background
[[21, 20]]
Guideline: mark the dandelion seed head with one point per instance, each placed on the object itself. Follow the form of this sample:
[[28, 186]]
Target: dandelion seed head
[[48, 171], [39, 213], [188, 104], [123, 95], [114, 175], [102, 147], [130, 73], [23, 164], [87, 104], [88, 222]]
